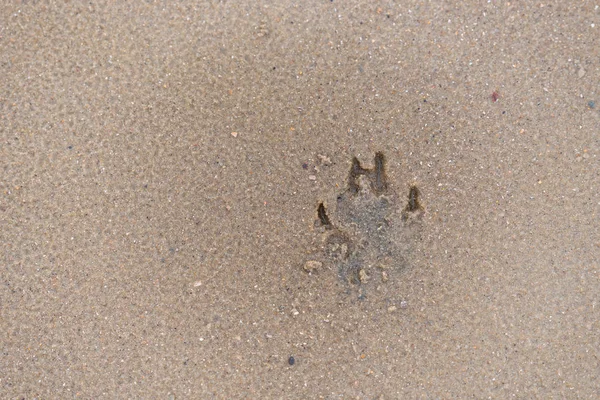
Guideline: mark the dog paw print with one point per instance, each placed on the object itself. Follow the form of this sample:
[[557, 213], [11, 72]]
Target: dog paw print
[[368, 233]]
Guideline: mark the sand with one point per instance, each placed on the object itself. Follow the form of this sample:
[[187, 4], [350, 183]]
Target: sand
[[161, 166]]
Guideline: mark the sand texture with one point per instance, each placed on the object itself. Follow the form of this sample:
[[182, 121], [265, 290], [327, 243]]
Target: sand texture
[[300, 200]]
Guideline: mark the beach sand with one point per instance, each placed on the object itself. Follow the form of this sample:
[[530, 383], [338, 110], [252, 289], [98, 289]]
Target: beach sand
[[161, 167]]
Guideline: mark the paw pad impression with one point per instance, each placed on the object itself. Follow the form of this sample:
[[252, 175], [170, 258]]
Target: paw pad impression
[[368, 234]]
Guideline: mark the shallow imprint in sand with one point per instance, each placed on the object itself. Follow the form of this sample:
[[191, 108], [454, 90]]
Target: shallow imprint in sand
[[368, 234]]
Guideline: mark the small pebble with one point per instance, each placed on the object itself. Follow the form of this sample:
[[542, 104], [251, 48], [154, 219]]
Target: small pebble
[[291, 360], [324, 159], [392, 308], [234, 134], [363, 276], [403, 304], [312, 177], [311, 266], [591, 104], [384, 276]]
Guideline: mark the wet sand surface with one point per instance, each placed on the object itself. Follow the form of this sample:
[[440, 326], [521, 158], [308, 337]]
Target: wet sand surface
[[162, 164]]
